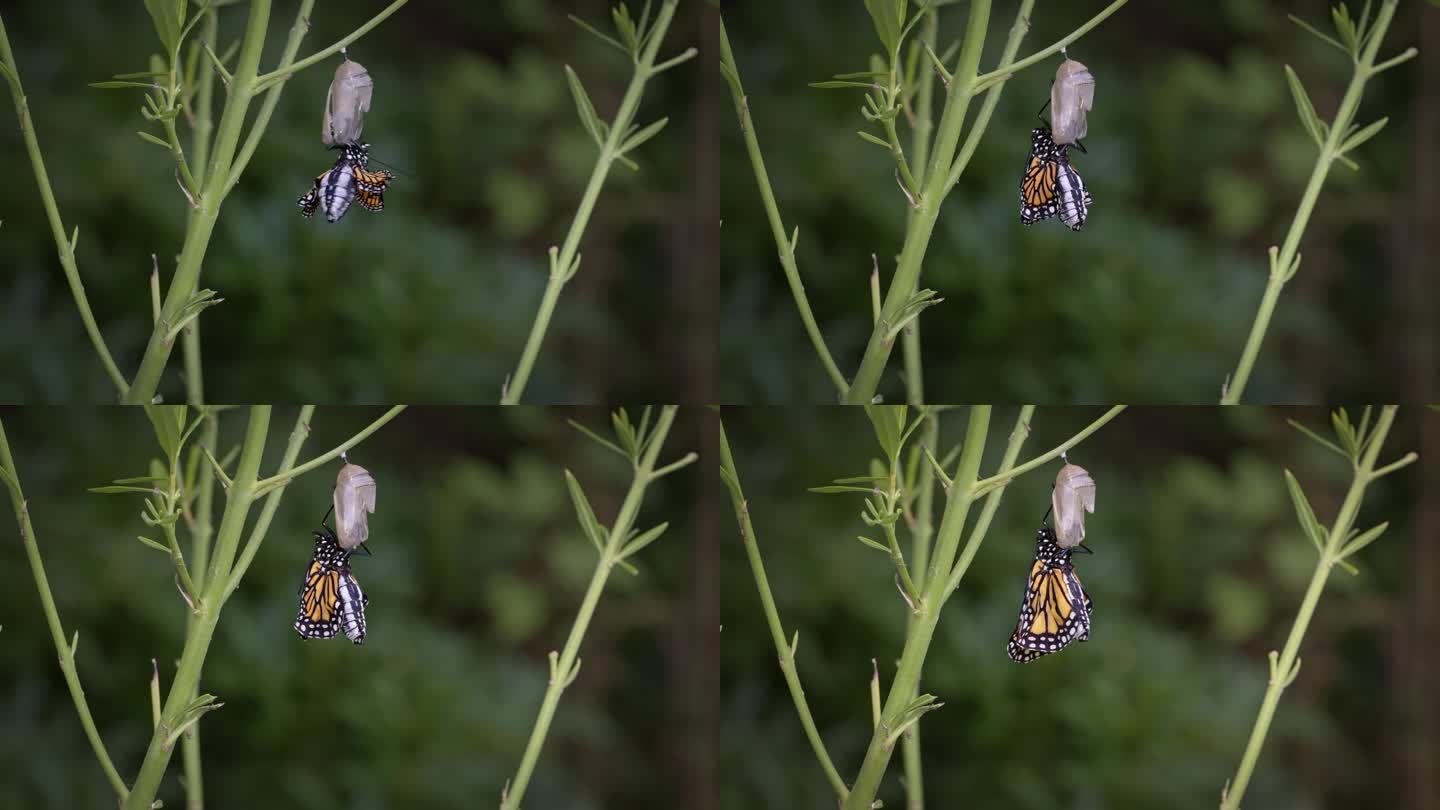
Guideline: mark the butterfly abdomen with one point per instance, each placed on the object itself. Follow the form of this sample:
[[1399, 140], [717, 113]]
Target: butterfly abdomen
[[352, 607], [337, 192]]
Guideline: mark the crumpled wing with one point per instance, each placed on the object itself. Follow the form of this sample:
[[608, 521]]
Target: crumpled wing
[[354, 503], [346, 103], [1073, 496]]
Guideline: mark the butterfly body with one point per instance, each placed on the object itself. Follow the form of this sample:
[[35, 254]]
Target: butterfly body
[[347, 182], [330, 596], [1051, 186], [1055, 610]]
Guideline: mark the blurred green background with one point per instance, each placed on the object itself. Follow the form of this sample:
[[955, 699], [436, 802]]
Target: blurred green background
[[1198, 569], [430, 301], [1197, 161], [477, 572]]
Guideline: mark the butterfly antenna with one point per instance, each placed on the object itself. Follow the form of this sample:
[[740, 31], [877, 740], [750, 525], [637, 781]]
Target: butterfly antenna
[[374, 159], [1084, 548], [328, 512], [1038, 113], [368, 553]]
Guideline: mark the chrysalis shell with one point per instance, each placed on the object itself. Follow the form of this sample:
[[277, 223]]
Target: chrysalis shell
[[346, 104], [354, 502], [1071, 97], [1073, 496]]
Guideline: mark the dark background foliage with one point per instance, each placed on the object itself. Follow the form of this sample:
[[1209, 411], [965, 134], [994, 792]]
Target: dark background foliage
[[1197, 573], [429, 301], [478, 570], [1196, 161]]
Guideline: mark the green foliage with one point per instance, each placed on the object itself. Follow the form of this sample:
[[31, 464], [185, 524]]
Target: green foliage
[[428, 301], [1194, 154], [1192, 580], [477, 569]]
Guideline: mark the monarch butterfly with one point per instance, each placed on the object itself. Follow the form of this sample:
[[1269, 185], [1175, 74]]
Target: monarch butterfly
[[1050, 185], [344, 183], [330, 597], [1055, 610]]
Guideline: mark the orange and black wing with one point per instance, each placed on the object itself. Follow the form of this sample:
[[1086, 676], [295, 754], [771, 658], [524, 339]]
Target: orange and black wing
[[311, 199], [1054, 613], [319, 615], [371, 189], [1037, 189]]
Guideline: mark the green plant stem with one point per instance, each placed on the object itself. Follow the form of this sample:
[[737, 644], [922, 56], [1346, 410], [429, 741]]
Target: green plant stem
[[568, 663], [944, 169], [272, 499], [921, 127], [201, 125], [783, 243], [286, 70], [52, 213], [921, 532], [922, 221], [785, 650], [1060, 44], [562, 269], [272, 93], [1005, 475], [192, 659], [927, 613], [64, 649], [1018, 435], [1282, 268], [284, 477], [223, 171], [1283, 671], [201, 530], [202, 223]]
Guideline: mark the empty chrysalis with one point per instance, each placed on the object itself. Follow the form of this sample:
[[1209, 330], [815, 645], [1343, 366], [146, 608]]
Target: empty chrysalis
[[354, 503], [346, 104], [1071, 97], [1073, 496]]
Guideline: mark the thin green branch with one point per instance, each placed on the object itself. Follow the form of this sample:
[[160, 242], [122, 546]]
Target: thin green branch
[[992, 95], [178, 559], [267, 107], [926, 615], [65, 651], [191, 188], [1060, 44], [1003, 477], [922, 222], [785, 245], [1284, 667], [52, 213], [272, 501], [202, 221], [565, 666], [564, 264], [285, 71], [206, 615], [1018, 435], [921, 126], [1283, 264], [785, 650], [284, 477]]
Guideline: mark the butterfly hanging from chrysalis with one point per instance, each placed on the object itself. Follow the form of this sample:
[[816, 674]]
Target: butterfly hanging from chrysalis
[[331, 600], [1055, 610]]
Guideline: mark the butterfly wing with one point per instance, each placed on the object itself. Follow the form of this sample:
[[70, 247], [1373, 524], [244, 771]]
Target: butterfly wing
[[311, 200], [319, 615], [1037, 189], [372, 185], [1055, 612]]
